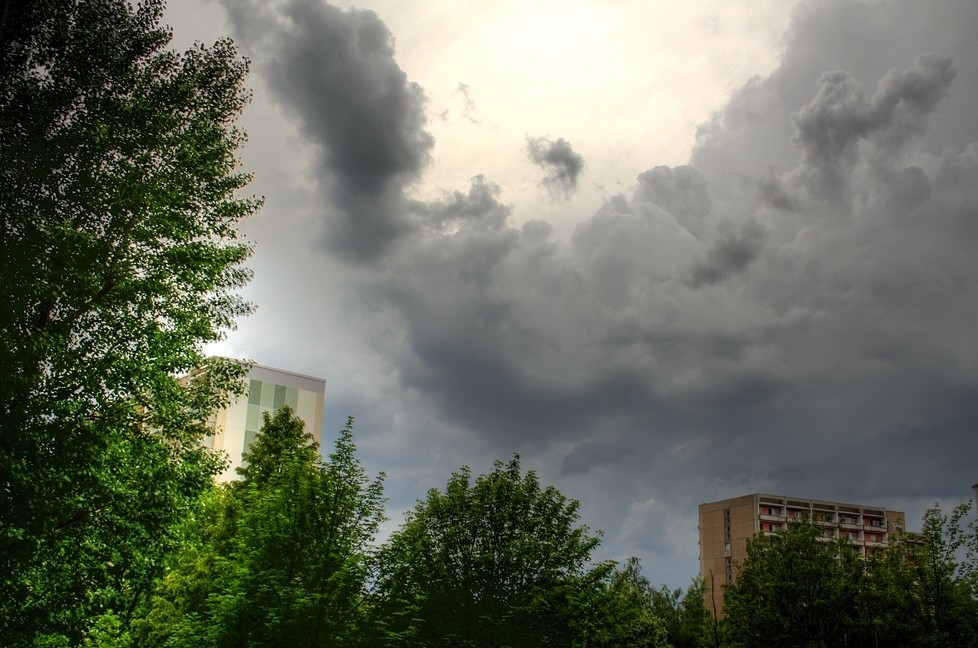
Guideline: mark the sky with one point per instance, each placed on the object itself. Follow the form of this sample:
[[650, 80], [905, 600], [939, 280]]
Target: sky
[[667, 252]]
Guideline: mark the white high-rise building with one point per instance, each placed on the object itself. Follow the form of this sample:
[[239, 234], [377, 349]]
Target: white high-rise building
[[236, 425]]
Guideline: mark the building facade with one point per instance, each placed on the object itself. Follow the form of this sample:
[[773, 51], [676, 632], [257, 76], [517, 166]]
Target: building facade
[[726, 526], [236, 425]]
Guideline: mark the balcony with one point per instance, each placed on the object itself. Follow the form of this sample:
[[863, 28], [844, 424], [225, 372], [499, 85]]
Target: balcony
[[771, 511], [797, 514], [875, 539], [851, 536]]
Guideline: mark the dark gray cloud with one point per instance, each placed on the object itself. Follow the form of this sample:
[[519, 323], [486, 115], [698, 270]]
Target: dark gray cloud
[[335, 71], [562, 165], [764, 316], [792, 311], [479, 208], [730, 254], [829, 129]]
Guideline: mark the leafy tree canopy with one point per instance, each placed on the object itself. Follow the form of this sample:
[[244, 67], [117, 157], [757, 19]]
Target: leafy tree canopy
[[795, 588], [120, 257], [280, 558], [498, 561], [282, 445], [798, 588], [922, 588]]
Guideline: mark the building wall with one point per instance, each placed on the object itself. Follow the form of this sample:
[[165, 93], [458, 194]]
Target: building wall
[[726, 526], [269, 389]]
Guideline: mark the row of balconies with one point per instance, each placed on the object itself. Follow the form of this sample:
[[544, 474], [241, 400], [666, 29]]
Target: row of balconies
[[871, 537], [854, 519]]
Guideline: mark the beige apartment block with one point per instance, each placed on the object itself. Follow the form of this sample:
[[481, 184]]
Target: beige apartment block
[[269, 389], [727, 525]]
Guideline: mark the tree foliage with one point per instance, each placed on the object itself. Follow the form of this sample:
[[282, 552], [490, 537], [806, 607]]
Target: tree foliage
[[280, 558], [500, 561], [120, 257], [620, 613], [922, 589], [628, 612], [685, 619], [799, 589], [794, 589]]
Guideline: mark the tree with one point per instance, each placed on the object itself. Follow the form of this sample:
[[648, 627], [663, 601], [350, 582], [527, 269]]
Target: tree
[[497, 562], [279, 558], [281, 445], [621, 614], [922, 588], [795, 589], [180, 609], [687, 622], [628, 612], [120, 257]]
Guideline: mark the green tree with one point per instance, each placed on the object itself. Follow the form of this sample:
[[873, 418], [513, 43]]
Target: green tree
[[795, 589], [282, 444], [281, 557], [181, 609], [687, 622], [499, 561], [620, 613], [628, 612], [120, 257], [921, 589]]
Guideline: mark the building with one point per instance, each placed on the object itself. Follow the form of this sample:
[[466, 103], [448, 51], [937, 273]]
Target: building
[[727, 525], [236, 425]]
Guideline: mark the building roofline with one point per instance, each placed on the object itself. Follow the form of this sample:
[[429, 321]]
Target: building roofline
[[251, 364], [804, 499], [255, 365]]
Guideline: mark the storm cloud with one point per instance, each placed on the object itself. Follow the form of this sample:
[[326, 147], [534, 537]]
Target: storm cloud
[[556, 157], [335, 71], [790, 311], [819, 305]]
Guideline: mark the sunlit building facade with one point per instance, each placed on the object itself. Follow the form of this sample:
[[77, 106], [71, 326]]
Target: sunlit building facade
[[726, 526], [236, 425]]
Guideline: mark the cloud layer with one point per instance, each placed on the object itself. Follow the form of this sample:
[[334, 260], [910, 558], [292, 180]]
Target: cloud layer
[[335, 72], [792, 311]]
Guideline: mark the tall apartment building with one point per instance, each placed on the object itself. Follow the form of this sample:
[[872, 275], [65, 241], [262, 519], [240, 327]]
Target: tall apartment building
[[727, 525], [236, 425]]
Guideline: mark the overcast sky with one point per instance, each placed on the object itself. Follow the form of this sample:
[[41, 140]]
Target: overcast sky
[[668, 252]]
